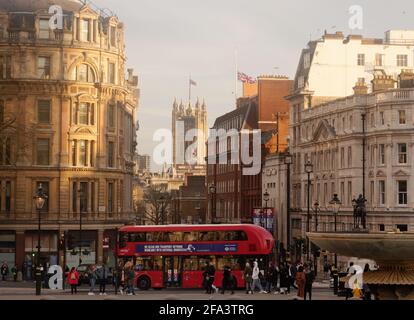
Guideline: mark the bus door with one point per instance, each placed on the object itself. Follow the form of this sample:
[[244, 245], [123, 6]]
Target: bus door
[[172, 271]]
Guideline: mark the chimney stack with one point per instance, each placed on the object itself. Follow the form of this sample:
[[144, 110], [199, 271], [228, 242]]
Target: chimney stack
[[382, 82], [360, 87]]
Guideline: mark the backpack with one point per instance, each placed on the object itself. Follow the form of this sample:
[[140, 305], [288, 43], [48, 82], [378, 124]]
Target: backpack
[[73, 276]]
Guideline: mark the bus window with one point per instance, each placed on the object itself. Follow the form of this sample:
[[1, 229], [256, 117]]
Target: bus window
[[202, 263], [240, 236], [190, 264], [148, 264], [176, 236], [150, 237], [203, 236], [226, 236], [123, 239], [157, 263], [137, 237], [139, 264], [190, 236], [231, 262], [208, 236]]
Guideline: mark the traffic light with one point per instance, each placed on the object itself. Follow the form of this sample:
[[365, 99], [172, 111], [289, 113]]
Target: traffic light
[[105, 243], [62, 242], [70, 241]]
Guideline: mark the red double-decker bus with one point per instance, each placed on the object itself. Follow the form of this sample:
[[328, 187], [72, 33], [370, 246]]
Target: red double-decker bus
[[176, 255]]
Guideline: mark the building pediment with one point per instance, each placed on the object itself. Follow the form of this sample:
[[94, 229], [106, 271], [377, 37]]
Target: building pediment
[[81, 131], [381, 173], [324, 131], [87, 10], [85, 97], [401, 173]]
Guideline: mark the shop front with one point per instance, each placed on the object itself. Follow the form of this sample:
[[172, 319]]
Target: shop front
[[48, 250], [8, 248], [77, 242]]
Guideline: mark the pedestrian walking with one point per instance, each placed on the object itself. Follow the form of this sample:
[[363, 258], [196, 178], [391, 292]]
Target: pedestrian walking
[[301, 281], [247, 276], [348, 290], [285, 280], [92, 280], [228, 282], [271, 278], [292, 274], [4, 270], [256, 278], [326, 269], [205, 277], [121, 277], [309, 279], [130, 273], [73, 280], [102, 275], [14, 272], [211, 272]]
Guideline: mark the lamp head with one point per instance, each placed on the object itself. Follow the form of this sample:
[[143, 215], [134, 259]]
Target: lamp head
[[308, 167]]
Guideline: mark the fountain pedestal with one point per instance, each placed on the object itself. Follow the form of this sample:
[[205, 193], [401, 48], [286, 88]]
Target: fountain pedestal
[[393, 252]]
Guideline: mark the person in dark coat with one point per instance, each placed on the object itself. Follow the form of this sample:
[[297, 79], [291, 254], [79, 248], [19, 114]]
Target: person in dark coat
[[227, 282], [309, 279], [284, 279], [211, 272], [102, 275], [292, 275], [271, 278], [4, 270]]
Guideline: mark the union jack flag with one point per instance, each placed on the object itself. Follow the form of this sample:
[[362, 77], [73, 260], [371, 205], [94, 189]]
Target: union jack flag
[[245, 78]]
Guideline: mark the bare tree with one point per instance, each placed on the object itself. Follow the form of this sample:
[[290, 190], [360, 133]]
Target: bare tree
[[16, 139], [156, 205]]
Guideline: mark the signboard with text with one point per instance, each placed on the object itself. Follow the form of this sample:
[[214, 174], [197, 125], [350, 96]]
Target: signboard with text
[[264, 218], [186, 248]]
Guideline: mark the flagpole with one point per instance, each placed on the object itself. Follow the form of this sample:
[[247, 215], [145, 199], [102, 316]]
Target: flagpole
[[189, 90], [236, 75]]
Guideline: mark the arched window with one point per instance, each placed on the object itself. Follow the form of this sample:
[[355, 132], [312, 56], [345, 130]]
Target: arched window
[[84, 73]]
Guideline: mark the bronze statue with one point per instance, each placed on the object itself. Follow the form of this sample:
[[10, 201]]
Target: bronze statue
[[360, 212]]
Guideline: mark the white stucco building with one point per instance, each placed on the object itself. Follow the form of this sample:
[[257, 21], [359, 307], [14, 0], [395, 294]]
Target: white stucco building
[[339, 79]]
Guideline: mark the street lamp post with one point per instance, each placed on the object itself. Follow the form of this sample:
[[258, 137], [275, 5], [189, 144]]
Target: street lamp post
[[40, 199], [288, 162], [80, 192], [316, 208], [212, 191], [336, 205], [308, 170], [266, 197]]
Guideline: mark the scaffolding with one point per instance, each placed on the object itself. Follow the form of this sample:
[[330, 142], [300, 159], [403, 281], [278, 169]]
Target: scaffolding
[[103, 12]]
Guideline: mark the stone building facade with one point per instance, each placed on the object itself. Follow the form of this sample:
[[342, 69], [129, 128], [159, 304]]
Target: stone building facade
[[337, 80], [189, 133], [71, 117]]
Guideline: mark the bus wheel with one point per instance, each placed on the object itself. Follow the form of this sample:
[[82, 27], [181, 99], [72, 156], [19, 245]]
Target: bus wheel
[[144, 283]]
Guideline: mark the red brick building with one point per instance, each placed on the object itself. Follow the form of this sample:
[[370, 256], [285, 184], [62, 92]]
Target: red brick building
[[236, 194]]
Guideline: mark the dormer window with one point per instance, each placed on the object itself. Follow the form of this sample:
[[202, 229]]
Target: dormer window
[[113, 36], [44, 29], [85, 30]]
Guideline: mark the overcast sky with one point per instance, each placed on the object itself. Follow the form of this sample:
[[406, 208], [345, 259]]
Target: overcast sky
[[167, 40]]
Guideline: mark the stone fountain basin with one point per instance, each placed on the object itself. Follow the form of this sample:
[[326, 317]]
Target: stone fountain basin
[[382, 247]]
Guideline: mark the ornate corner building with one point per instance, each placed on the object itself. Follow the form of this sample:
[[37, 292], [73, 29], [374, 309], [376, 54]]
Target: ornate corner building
[[68, 118]]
